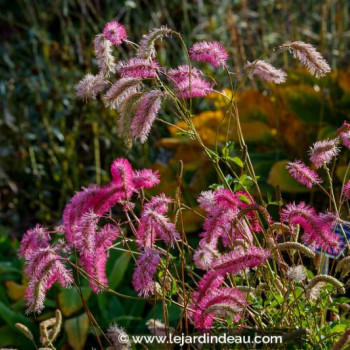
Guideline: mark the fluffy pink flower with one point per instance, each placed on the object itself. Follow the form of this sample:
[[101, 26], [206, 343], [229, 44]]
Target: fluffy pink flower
[[145, 115], [318, 228], [103, 53], [44, 267], [206, 200], [194, 87], [346, 190], [154, 224], [121, 90], [344, 133], [94, 262], [221, 302], [122, 175], [115, 32], [182, 73], [238, 260], [139, 68], [145, 178], [322, 152], [34, 239], [204, 255], [90, 86], [309, 57], [209, 282], [303, 174], [212, 52], [146, 267], [267, 71]]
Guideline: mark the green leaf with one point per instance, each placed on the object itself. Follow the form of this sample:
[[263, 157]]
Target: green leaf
[[119, 269], [11, 317], [77, 331], [70, 300]]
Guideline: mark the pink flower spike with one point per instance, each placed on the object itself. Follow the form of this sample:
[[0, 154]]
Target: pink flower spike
[[146, 267], [346, 190], [322, 152], [145, 115], [267, 71], [344, 133], [34, 239], [238, 260], [145, 178], [194, 87], [303, 174], [122, 175], [212, 52], [182, 73], [206, 200], [139, 68], [309, 57], [204, 255], [115, 32]]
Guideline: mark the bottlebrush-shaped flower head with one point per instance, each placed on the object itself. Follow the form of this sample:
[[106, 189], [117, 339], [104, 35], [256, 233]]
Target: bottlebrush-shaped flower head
[[118, 338], [238, 260], [266, 71], [322, 152], [303, 174], [346, 190], [204, 255], [94, 262], [147, 44], [137, 67], [90, 86], [146, 113], [318, 228], [34, 239], [220, 302], [309, 57], [154, 224], [43, 269], [212, 52], [122, 175], [209, 282], [120, 90], [103, 53], [193, 87], [145, 178], [344, 133], [115, 32], [206, 200], [146, 267], [182, 73]]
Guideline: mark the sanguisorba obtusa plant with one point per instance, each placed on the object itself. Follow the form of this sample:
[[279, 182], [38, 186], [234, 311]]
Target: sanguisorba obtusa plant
[[249, 270]]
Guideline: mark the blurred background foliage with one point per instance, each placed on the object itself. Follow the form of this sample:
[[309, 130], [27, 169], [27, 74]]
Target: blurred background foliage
[[51, 144]]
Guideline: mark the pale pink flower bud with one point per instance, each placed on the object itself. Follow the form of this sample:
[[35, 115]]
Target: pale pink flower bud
[[90, 86], [267, 71], [322, 152]]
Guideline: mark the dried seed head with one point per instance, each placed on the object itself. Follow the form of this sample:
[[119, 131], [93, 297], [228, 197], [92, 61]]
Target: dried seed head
[[25, 331], [296, 273], [103, 53], [90, 86], [147, 44]]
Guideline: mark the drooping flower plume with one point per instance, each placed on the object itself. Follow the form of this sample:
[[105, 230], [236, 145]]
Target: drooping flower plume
[[146, 113], [322, 152], [44, 268], [115, 32], [154, 224], [118, 338], [146, 267], [90, 86], [309, 57], [188, 82], [303, 174], [267, 71], [137, 67], [318, 228], [209, 51], [103, 53], [147, 43], [120, 90]]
